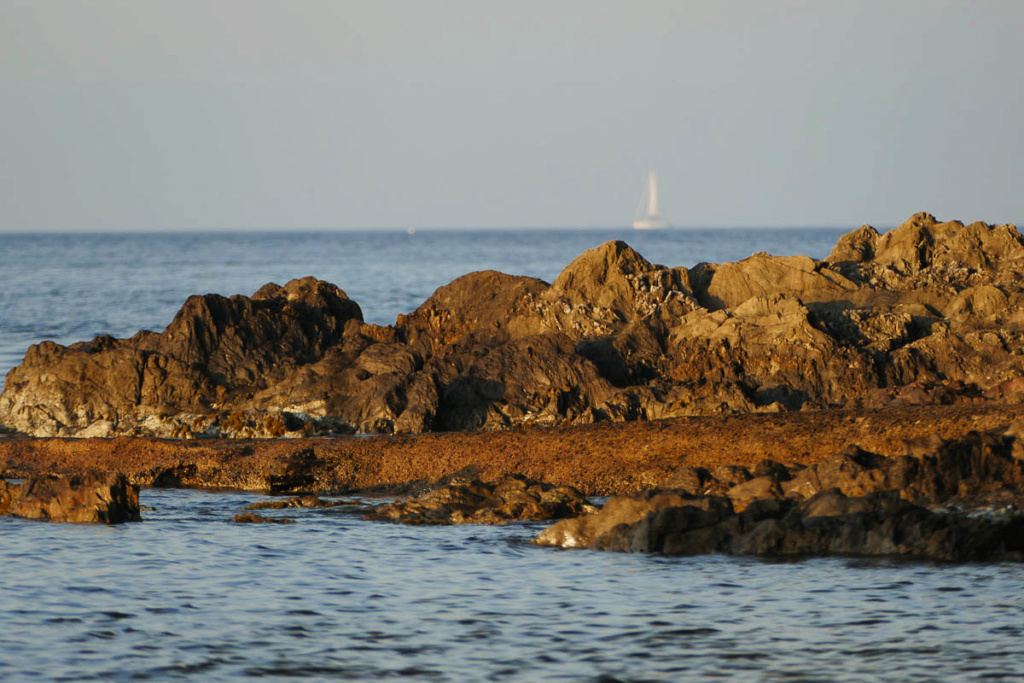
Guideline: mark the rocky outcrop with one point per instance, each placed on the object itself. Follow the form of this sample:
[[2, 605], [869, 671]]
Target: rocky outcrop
[[105, 499], [217, 352], [976, 470], [624, 511], [830, 523], [929, 312], [515, 498], [953, 499], [923, 243]]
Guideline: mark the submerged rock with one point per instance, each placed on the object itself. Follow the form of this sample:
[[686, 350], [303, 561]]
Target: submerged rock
[[300, 502], [249, 518], [515, 498], [105, 499], [928, 313]]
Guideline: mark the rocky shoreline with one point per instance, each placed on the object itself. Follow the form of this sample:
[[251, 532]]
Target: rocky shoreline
[[949, 499], [871, 403], [928, 313]]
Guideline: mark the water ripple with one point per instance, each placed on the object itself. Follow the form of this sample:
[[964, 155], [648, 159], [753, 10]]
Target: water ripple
[[188, 595]]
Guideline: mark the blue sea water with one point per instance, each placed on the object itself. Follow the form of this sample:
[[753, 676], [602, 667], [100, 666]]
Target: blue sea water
[[187, 595]]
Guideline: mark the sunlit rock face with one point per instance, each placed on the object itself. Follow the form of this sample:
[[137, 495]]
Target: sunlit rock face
[[92, 498], [927, 313]]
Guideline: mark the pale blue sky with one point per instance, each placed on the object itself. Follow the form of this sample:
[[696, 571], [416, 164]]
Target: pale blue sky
[[129, 114]]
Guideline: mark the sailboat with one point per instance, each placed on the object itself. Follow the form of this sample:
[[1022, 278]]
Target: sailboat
[[647, 216]]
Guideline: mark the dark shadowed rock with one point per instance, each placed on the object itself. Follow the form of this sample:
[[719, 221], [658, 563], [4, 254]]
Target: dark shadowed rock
[[858, 503], [7, 492], [300, 502], [979, 468], [514, 498], [249, 518], [296, 474], [105, 499], [830, 523]]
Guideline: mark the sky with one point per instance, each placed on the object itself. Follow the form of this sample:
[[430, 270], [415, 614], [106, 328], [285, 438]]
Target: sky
[[314, 114]]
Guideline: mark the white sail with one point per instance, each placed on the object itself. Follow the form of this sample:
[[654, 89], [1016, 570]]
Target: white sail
[[648, 217], [652, 192]]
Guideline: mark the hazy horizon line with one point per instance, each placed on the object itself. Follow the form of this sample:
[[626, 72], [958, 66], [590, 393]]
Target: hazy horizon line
[[435, 228]]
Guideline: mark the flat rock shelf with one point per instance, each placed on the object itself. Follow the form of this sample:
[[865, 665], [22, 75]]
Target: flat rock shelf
[[598, 459]]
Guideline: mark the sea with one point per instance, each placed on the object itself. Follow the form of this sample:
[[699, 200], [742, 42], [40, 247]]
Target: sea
[[189, 595]]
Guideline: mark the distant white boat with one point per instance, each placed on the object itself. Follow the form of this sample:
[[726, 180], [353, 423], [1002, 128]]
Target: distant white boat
[[647, 214]]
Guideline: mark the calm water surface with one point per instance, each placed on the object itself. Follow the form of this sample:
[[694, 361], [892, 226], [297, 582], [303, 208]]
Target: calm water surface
[[188, 595]]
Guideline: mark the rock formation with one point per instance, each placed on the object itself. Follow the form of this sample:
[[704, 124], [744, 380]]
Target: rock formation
[[976, 470], [927, 313], [106, 499], [711, 453], [300, 502], [830, 523], [250, 518], [514, 498], [954, 500]]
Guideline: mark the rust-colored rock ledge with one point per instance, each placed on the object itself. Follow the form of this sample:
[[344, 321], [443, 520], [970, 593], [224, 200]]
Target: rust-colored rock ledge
[[598, 459]]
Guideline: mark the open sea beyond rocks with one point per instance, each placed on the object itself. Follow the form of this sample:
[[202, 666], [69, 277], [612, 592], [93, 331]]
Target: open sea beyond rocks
[[188, 595]]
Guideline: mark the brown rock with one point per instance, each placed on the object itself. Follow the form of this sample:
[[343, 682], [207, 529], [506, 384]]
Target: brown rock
[[584, 532], [216, 350], [762, 275], [515, 498], [759, 488], [486, 306], [830, 523], [295, 474], [857, 246], [928, 313], [690, 480], [979, 467], [249, 518], [106, 499], [7, 492], [299, 502], [924, 242], [606, 288], [981, 302]]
